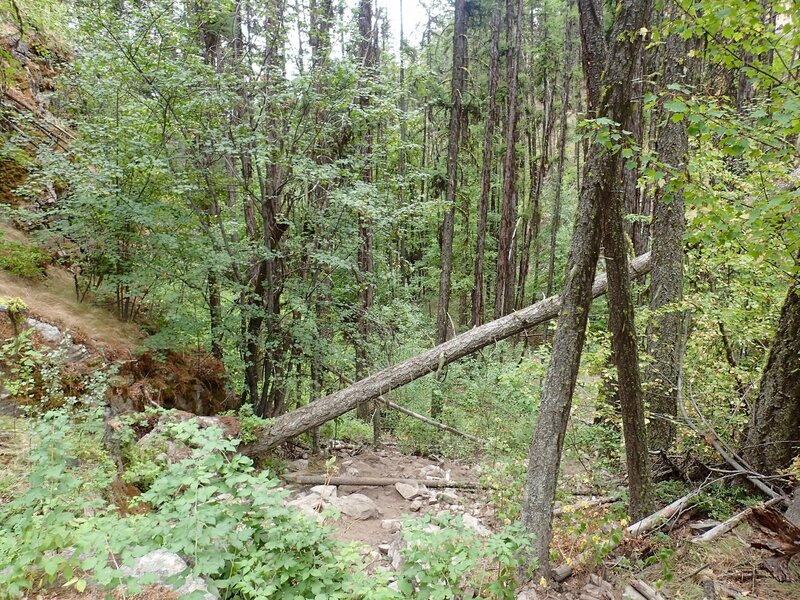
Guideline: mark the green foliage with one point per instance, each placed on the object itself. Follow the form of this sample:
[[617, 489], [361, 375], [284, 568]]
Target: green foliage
[[348, 429], [22, 260], [444, 557]]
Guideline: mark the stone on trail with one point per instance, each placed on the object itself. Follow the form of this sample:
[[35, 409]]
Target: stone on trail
[[357, 506], [326, 492], [433, 472], [450, 496], [471, 522], [391, 525], [310, 505], [407, 490], [415, 505]]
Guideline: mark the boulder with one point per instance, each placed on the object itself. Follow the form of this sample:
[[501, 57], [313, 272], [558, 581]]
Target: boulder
[[471, 522], [357, 506], [165, 564], [310, 505], [326, 492], [449, 495], [432, 472], [407, 490]]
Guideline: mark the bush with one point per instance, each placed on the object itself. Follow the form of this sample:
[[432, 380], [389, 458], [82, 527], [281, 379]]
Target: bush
[[23, 261]]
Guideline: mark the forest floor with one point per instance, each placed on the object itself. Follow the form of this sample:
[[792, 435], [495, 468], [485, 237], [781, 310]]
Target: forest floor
[[730, 564]]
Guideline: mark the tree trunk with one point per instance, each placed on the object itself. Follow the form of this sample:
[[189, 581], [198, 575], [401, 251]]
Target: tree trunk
[[562, 145], [669, 225], [320, 411], [486, 173], [456, 95], [506, 262], [600, 172], [366, 293], [773, 437]]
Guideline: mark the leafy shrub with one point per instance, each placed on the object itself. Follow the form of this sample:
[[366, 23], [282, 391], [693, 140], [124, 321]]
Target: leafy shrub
[[444, 557], [348, 429], [22, 260]]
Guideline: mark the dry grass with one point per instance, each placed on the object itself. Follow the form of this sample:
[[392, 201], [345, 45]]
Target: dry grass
[[53, 301]]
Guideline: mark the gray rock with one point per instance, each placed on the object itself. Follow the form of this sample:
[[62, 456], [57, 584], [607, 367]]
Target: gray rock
[[449, 495], [301, 464], [432, 472], [384, 548], [416, 505], [408, 491], [357, 506], [326, 492], [165, 564], [310, 505], [392, 525], [48, 332], [475, 524]]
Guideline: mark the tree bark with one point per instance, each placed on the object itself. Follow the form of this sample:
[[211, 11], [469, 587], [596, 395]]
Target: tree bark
[[327, 408], [506, 262], [366, 293], [669, 225], [456, 95], [600, 172], [562, 144], [478, 301], [773, 436]]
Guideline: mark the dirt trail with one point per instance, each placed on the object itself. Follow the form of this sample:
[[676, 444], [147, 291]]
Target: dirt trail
[[387, 461]]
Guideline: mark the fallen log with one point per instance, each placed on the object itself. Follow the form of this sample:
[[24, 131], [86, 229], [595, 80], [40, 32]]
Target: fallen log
[[320, 411], [726, 526], [382, 481]]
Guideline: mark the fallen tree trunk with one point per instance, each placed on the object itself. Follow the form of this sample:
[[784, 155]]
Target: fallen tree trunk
[[725, 527], [382, 481], [320, 411]]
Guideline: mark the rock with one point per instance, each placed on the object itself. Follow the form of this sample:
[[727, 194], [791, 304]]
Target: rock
[[407, 490], [384, 548], [49, 333], [357, 506], [432, 472], [301, 464], [326, 492], [527, 593], [165, 564], [310, 505], [449, 495], [392, 525], [474, 523], [351, 471], [415, 505], [433, 498]]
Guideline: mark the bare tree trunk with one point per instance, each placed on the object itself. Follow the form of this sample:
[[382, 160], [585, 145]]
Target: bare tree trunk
[[600, 172], [669, 225], [366, 294], [506, 262], [773, 436], [478, 308], [320, 411], [562, 145], [456, 96]]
